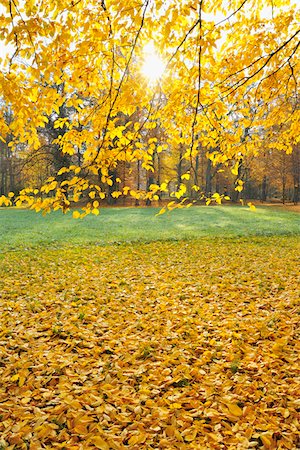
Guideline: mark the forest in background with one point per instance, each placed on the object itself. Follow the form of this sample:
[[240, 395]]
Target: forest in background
[[82, 122], [273, 175]]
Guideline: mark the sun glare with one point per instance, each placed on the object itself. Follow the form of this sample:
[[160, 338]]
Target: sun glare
[[153, 66]]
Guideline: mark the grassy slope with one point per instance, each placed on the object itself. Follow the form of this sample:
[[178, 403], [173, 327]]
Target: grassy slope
[[27, 229]]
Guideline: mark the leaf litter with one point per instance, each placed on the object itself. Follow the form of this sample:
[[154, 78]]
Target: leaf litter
[[164, 345]]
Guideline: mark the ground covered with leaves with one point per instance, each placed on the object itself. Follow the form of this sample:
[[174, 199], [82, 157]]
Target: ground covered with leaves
[[166, 345]]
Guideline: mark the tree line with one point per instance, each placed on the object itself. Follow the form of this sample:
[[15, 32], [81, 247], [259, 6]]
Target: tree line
[[80, 121], [273, 175]]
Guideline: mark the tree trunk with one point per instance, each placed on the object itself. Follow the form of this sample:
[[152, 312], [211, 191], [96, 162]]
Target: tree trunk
[[196, 175], [296, 174], [283, 181], [208, 178], [264, 188], [179, 167], [138, 183], [150, 181]]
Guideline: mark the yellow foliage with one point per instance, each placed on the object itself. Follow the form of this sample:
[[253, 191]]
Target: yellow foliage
[[185, 176], [234, 409], [86, 82], [76, 214], [251, 206], [139, 355], [99, 443]]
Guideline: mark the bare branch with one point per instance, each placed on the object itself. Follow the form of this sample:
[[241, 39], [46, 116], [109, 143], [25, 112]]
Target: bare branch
[[244, 80], [196, 24], [27, 29], [199, 76], [15, 35], [118, 89]]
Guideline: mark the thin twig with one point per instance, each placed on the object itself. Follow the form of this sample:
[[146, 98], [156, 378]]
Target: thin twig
[[244, 80], [15, 35], [118, 89]]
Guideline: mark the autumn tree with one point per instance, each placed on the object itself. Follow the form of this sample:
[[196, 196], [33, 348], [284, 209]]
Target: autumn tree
[[228, 67]]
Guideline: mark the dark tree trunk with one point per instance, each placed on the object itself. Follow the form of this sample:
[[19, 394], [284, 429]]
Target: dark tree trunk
[[264, 189], [208, 178], [150, 181], [113, 176], [296, 174], [138, 182], [179, 167]]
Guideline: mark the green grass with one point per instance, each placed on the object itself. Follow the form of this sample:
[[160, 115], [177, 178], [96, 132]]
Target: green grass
[[22, 228]]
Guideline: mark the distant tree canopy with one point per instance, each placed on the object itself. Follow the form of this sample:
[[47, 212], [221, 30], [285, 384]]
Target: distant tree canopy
[[73, 90]]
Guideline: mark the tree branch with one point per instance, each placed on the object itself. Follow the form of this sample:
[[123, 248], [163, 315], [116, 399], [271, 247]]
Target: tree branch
[[244, 80]]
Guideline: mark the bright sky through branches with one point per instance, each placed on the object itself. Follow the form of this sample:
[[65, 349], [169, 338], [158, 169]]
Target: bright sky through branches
[[153, 66]]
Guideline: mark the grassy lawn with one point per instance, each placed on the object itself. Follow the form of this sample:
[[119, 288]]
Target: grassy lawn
[[28, 229], [185, 335]]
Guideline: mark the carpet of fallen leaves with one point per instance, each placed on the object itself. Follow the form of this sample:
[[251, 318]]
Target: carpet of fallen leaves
[[174, 345]]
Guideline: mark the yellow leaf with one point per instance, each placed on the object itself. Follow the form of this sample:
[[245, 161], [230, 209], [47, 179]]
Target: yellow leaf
[[267, 440], [251, 206], [178, 435], [22, 379], [162, 211], [286, 413], [170, 430], [239, 188], [99, 443], [234, 409], [80, 428], [175, 406], [62, 170], [185, 176], [116, 194], [76, 215], [11, 194], [95, 211], [191, 436], [171, 205], [137, 439], [235, 169]]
